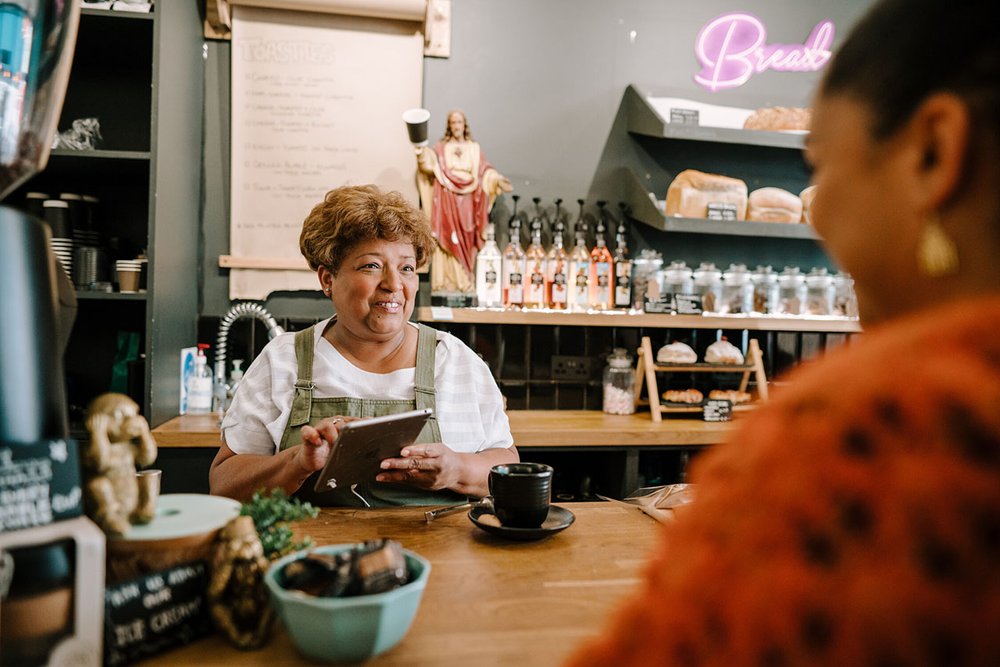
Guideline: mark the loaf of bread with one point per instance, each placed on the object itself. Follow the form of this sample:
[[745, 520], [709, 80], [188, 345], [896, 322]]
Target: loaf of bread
[[692, 191], [807, 196], [773, 205], [778, 118]]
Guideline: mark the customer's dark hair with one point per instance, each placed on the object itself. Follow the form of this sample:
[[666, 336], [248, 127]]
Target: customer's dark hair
[[901, 51]]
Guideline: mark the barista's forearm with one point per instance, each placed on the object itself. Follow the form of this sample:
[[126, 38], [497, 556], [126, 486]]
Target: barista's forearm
[[239, 476], [474, 477]]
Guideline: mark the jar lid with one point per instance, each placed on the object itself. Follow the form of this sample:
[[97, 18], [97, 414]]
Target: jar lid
[[619, 358]]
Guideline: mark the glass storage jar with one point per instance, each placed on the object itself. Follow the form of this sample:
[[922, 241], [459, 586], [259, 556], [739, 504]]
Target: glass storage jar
[[677, 279], [619, 384], [737, 290], [819, 292], [765, 290], [845, 301], [791, 291], [708, 285], [645, 283]]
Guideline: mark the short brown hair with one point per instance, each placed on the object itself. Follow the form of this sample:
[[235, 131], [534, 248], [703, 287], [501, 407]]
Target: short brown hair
[[354, 213]]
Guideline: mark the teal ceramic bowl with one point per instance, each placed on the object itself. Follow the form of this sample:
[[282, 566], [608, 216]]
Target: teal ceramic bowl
[[349, 629]]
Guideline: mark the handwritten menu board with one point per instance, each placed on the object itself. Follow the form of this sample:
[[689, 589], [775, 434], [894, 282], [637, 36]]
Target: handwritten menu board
[[317, 101]]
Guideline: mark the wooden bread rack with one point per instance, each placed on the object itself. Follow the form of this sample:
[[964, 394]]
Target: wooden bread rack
[[647, 368]]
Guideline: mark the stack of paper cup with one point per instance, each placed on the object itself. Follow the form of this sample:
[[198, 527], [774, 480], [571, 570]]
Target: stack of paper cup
[[128, 275]]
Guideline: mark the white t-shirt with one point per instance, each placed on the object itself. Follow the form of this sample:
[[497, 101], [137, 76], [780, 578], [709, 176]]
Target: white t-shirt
[[469, 407]]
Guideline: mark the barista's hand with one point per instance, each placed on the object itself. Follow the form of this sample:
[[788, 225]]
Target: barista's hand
[[433, 466], [316, 441]]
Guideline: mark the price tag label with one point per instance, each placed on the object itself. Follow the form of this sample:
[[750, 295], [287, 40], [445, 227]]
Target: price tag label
[[717, 410], [684, 117], [722, 211], [688, 304], [441, 313]]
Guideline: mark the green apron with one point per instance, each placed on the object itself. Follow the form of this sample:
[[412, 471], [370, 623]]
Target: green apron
[[309, 410]]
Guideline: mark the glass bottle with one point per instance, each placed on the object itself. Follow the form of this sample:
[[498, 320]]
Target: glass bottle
[[819, 292], [601, 267], [791, 291], [737, 290], [623, 269], [535, 270], [489, 292], [708, 285], [557, 267], [619, 384], [645, 282], [579, 267], [513, 265], [765, 290]]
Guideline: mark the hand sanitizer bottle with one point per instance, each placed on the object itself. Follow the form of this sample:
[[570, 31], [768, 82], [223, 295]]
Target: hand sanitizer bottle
[[200, 385]]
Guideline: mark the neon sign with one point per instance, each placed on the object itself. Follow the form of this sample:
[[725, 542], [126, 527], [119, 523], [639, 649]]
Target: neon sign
[[732, 48]]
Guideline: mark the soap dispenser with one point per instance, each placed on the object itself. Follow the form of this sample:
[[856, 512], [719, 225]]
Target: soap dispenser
[[234, 380]]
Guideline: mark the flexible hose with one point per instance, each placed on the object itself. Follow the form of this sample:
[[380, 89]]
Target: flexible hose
[[238, 311]]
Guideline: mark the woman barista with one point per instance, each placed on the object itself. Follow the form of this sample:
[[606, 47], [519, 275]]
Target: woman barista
[[368, 360]]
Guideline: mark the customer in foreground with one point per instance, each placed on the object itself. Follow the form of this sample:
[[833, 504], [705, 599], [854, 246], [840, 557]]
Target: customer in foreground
[[855, 520], [366, 361]]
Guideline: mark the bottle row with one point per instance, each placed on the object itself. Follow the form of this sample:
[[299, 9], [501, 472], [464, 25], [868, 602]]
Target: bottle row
[[580, 278], [586, 279]]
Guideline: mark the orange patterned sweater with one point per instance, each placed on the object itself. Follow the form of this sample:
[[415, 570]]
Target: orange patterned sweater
[[853, 521]]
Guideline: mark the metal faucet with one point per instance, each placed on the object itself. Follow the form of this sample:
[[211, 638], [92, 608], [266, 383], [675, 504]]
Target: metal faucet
[[235, 312]]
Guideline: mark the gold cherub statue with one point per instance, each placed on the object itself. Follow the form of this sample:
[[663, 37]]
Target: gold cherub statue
[[119, 438]]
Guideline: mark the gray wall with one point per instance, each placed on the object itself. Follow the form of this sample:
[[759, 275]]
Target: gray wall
[[541, 82]]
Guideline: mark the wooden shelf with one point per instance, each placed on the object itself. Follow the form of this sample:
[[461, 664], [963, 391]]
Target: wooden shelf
[[88, 295], [620, 318], [99, 154], [108, 13]]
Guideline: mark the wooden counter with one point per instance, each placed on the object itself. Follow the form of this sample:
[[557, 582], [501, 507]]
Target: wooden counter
[[488, 601], [188, 444], [556, 429]]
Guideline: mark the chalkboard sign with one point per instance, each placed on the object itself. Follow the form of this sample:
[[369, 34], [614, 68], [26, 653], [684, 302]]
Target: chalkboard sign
[[688, 304], [717, 410], [154, 613], [722, 211], [39, 483]]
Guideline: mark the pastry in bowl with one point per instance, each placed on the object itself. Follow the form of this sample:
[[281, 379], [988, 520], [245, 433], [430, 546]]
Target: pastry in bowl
[[723, 352], [676, 353], [734, 396], [688, 396]]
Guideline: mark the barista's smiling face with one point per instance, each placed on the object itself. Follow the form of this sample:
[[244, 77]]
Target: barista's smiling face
[[374, 288]]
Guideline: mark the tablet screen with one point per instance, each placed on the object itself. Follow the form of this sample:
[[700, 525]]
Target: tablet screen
[[359, 449]]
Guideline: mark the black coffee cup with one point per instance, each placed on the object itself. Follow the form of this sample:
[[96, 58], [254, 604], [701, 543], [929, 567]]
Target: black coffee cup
[[521, 493], [416, 125]]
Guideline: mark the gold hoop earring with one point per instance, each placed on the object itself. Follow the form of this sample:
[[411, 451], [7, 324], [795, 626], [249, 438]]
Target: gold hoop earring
[[937, 255]]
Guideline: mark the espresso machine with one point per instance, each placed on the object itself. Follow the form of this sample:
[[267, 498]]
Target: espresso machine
[[51, 556]]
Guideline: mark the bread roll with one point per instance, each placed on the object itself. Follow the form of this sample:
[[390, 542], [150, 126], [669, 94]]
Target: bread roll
[[676, 353], [778, 118], [690, 396], [807, 196], [723, 352], [692, 191], [773, 205]]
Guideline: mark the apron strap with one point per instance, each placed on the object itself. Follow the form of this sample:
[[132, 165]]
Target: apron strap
[[423, 377], [302, 399]]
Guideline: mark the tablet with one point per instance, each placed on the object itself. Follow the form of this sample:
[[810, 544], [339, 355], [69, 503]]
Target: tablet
[[361, 445]]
